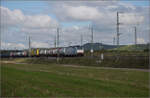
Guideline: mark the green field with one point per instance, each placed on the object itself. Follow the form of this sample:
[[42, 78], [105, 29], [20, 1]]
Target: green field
[[54, 80]]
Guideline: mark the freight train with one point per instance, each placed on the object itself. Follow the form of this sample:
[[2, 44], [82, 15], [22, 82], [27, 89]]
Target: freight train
[[71, 51]]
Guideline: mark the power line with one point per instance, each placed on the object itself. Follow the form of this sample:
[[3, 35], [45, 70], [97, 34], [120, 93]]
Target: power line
[[92, 34], [55, 42], [58, 45], [29, 46], [114, 39], [92, 41], [135, 34], [57, 37], [118, 23], [81, 39], [117, 28]]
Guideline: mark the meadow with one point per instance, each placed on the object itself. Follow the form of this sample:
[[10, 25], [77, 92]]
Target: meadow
[[65, 80]]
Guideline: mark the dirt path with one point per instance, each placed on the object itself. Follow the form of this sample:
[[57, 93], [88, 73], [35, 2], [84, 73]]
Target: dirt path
[[146, 70], [78, 66]]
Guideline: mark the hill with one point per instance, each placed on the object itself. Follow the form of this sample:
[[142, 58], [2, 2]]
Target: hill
[[139, 47], [99, 46]]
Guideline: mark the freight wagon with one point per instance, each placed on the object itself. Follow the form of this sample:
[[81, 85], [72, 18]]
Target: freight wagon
[[51, 52]]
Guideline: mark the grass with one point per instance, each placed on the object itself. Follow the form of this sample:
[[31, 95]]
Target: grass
[[54, 80], [138, 47], [141, 62]]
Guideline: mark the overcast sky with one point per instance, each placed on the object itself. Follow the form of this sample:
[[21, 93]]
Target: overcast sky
[[40, 19]]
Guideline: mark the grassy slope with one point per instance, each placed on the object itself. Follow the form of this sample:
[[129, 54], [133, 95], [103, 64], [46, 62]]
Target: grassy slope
[[133, 48], [61, 81], [109, 61]]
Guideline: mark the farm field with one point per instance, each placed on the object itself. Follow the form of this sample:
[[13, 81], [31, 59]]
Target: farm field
[[87, 49], [55, 80]]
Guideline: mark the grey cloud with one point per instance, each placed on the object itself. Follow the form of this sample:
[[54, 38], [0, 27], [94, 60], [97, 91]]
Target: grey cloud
[[101, 14]]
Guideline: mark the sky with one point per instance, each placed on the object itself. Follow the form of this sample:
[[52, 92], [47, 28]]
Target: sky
[[40, 20]]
